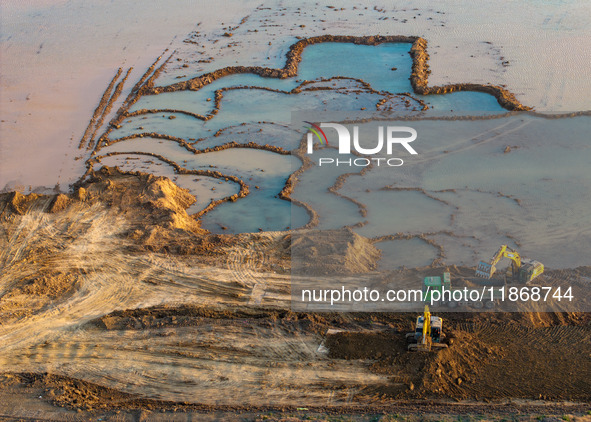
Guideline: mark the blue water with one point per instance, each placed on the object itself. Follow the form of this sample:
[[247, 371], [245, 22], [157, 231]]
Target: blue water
[[372, 64], [196, 101], [264, 117]]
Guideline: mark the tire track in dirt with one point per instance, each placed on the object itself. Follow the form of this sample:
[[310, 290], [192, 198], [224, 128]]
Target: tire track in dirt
[[507, 361], [225, 362], [246, 264]]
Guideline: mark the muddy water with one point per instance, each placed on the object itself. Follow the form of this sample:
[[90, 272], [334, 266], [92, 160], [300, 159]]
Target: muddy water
[[313, 187], [410, 253], [465, 181], [465, 190], [263, 116]]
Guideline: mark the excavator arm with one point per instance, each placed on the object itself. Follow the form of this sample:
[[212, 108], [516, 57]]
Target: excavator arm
[[426, 340], [487, 269], [497, 257], [514, 256], [426, 324]]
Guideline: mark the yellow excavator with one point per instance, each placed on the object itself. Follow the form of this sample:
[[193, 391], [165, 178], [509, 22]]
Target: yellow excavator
[[428, 333], [522, 270]]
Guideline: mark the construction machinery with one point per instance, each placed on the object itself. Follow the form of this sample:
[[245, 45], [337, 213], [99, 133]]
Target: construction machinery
[[436, 284], [428, 333], [522, 270], [440, 291]]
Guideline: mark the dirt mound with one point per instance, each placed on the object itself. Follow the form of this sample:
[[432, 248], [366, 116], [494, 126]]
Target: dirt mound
[[499, 362], [484, 361], [47, 242], [73, 393], [154, 209], [16, 202], [323, 252], [146, 199], [32, 293]]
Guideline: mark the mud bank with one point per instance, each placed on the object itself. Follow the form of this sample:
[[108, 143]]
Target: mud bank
[[183, 143], [87, 400], [303, 87], [419, 76], [134, 95], [103, 109], [99, 111]]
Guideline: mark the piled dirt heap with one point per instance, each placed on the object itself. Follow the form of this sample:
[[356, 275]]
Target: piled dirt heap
[[154, 208], [501, 361], [490, 357], [326, 252], [50, 245]]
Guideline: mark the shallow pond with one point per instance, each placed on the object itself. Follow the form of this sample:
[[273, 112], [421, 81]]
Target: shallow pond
[[264, 117]]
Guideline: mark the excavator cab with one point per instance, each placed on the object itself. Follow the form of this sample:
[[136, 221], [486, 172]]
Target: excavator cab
[[529, 270], [436, 331]]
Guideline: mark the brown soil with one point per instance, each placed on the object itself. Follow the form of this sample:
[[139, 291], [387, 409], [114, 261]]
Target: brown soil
[[85, 401], [154, 207], [242, 320], [491, 357], [486, 362], [99, 111], [332, 252]]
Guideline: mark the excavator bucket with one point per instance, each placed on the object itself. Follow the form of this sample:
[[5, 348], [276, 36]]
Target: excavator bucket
[[421, 346], [485, 270], [427, 346]]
